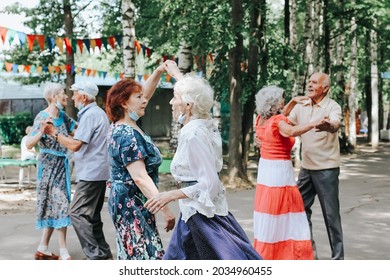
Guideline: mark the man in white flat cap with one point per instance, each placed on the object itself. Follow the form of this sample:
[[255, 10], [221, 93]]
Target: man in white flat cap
[[92, 170]]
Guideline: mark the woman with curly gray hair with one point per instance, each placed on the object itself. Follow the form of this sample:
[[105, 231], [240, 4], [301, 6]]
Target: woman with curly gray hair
[[206, 229], [281, 229]]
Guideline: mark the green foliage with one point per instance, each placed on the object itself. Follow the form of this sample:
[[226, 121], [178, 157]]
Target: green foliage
[[12, 127]]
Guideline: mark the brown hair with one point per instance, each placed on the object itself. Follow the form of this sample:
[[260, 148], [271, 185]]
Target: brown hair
[[118, 95]]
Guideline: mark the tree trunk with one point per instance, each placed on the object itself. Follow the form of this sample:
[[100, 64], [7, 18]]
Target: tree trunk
[[326, 27], [185, 66], [308, 53], [374, 89], [70, 77], [235, 165], [128, 19], [339, 57], [353, 85], [253, 55]]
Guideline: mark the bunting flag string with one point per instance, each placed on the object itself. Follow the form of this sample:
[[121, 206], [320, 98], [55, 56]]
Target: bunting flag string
[[70, 43], [72, 69]]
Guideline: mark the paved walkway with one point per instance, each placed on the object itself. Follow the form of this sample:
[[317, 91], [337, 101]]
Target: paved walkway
[[365, 211]]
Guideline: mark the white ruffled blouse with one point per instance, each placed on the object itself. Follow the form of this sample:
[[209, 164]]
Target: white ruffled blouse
[[199, 158]]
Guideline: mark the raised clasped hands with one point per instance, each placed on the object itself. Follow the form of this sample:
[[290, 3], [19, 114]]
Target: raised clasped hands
[[172, 69], [47, 126]]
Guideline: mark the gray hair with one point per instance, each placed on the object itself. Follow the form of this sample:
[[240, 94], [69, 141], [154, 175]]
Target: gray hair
[[269, 101], [198, 91], [52, 89]]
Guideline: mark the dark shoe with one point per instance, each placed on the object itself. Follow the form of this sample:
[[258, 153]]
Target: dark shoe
[[42, 256]]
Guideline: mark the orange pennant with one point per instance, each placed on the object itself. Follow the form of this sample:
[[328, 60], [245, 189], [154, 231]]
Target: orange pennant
[[3, 33], [60, 44], [51, 69], [27, 68], [138, 46], [62, 67], [68, 45], [57, 69], [92, 44], [30, 41], [93, 73], [111, 41], [168, 78], [80, 43], [39, 69], [88, 72], [41, 41], [8, 66]]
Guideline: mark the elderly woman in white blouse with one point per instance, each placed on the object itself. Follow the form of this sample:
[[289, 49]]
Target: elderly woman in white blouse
[[206, 229]]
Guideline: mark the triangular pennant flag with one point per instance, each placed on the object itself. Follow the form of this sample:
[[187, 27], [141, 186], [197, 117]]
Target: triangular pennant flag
[[68, 46], [137, 45], [8, 66], [74, 45], [148, 52], [27, 68], [99, 43], [51, 69], [11, 36], [80, 43], [22, 38], [60, 44], [20, 68], [105, 42], [39, 69], [30, 41], [93, 73], [3, 33], [41, 41], [116, 75], [168, 78], [33, 69], [163, 77], [88, 72], [99, 73], [68, 68], [57, 69], [50, 43], [82, 71], [211, 57], [164, 58], [146, 76], [139, 77], [14, 68], [93, 44], [87, 44], [63, 68], [45, 69], [143, 49], [111, 41], [118, 39], [72, 70], [104, 74], [121, 75]]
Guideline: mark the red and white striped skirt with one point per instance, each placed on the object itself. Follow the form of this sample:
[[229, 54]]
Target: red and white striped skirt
[[281, 229]]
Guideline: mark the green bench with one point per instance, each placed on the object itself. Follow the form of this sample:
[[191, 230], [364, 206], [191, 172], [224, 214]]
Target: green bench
[[6, 162]]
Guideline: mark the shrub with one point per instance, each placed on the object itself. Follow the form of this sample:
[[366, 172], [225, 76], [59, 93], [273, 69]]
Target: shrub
[[12, 127]]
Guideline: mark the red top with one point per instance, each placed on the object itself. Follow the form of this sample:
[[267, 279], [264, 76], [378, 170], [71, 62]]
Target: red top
[[273, 144]]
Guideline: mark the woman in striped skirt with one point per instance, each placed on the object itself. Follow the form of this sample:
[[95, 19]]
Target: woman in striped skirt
[[281, 229]]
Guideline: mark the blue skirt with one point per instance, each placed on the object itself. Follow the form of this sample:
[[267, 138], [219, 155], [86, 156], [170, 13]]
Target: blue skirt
[[217, 238]]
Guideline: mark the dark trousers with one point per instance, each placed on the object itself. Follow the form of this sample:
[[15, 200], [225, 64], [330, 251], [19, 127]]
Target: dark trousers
[[325, 184], [85, 211]]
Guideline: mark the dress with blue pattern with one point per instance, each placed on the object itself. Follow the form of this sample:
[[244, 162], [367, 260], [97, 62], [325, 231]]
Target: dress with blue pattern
[[137, 236], [53, 178]]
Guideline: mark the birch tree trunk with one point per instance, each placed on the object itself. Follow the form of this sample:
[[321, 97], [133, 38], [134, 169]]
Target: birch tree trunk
[[293, 45], [353, 85], [308, 53], [70, 77], [339, 56], [374, 89], [185, 66], [128, 19]]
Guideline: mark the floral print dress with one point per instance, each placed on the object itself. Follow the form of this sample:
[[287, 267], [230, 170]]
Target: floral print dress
[[137, 236], [53, 178]]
